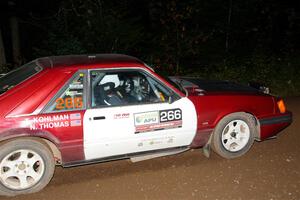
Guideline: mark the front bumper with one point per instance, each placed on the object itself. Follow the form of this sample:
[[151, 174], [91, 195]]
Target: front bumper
[[270, 126]]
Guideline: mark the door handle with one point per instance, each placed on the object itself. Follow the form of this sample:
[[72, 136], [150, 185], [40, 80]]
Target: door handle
[[99, 118]]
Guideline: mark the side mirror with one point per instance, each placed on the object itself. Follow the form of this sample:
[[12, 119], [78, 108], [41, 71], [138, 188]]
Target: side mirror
[[170, 100], [186, 92]]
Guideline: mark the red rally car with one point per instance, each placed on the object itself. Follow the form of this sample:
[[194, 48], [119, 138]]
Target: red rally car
[[82, 109]]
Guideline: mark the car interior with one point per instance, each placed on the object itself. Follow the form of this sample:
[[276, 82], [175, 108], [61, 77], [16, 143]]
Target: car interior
[[125, 87]]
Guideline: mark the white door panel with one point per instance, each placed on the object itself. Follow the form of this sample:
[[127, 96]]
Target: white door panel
[[122, 130]]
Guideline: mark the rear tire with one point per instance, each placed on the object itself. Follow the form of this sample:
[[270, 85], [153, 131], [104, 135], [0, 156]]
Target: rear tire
[[26, 166], [234, 135]]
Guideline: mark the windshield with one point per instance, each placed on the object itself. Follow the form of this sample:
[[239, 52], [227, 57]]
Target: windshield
[[18, 75]]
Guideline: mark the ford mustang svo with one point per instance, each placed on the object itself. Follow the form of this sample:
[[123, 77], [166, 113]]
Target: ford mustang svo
[[81, 109]]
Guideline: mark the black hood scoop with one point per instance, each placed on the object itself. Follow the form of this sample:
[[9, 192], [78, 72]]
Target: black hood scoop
[[221, 86]]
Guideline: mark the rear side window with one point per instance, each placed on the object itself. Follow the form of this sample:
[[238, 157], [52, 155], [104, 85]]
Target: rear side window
[[18, 75], [70, 97]]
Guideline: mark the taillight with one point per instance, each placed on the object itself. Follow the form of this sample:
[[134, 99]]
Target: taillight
[[281, 106]]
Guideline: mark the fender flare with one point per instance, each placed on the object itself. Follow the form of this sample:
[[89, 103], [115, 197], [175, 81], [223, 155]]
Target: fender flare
[[46, 137], [25, 132], [221, 115]]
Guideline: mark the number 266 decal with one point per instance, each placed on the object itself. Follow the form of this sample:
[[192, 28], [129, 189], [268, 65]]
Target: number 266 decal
[[170, 115], [68, 103]]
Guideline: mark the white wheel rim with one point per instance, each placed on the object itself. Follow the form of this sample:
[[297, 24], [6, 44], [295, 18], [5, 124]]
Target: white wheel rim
[[235, 135], [21, 169]]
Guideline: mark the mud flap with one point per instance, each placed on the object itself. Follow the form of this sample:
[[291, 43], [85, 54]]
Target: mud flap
[[206, 148]]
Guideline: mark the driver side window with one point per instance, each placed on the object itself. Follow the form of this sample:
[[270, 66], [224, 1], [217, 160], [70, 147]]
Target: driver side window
[[114, 88]]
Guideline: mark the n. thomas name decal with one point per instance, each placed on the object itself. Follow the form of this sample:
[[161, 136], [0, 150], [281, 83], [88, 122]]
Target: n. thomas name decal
[[54, 121]]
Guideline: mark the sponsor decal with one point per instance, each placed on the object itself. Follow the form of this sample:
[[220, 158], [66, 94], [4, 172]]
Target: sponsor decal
[[121, 115], [156, 141], [147, 118], [53, 121], [158, 120], [75, 123], [75, 116]]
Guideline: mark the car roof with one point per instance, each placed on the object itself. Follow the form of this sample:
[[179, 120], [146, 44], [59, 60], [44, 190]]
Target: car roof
[[89, 60]]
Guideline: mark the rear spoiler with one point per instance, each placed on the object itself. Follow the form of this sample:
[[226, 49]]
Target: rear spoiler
[[260, 87]]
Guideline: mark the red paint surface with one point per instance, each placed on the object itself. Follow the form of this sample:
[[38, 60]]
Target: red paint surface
[[271, 130]]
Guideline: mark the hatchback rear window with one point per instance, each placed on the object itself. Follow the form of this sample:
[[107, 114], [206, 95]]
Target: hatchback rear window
[[18, 75]]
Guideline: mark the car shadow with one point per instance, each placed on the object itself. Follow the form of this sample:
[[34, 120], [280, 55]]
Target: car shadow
[[119, 168]]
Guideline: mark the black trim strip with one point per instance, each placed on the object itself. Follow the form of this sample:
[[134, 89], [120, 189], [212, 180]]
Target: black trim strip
[[276, 120], [99, 118], [120, 157], [50, 103], [141, 70]]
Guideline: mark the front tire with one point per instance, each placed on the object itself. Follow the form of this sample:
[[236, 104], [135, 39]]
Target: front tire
[[26, 166], [234, 135]]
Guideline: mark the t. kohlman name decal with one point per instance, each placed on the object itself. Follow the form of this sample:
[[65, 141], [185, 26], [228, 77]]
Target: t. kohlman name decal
[[54, 121]]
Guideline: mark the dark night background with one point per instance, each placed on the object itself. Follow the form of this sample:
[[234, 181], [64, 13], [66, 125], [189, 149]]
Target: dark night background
[[238, 40]]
